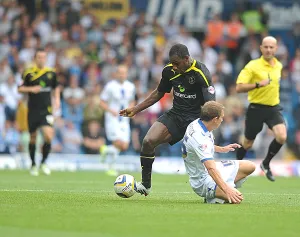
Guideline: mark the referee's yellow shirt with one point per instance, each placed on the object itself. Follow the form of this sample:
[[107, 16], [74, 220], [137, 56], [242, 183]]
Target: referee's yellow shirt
[[257, 70]]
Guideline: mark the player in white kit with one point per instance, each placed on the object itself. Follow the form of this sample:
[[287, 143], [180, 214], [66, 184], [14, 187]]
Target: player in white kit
[[117, 95], [215, 181]]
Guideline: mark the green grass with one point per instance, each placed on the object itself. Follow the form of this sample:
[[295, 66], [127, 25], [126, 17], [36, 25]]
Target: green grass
[[84, 204]]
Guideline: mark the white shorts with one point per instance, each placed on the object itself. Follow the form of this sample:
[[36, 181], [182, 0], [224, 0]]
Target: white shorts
[[117, 131], [228, 170]]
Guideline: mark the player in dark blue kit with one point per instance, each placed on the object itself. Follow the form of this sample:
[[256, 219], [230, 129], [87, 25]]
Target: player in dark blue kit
[[192, 87]]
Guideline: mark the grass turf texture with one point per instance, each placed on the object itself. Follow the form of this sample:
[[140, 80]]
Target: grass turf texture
[[84, 204]]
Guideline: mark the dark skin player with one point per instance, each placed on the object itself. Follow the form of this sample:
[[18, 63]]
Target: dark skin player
[[158, 133]]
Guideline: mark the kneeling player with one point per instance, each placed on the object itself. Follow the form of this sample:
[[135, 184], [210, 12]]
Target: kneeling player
[[215, 181]]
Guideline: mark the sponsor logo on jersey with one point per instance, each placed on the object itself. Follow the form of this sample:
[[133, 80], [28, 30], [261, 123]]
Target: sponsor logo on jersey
[[185, 96], [42, 84], [45, 89], [181, 88]]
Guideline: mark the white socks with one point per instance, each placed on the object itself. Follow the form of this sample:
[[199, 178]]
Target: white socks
[[239, 183], [113, 153]]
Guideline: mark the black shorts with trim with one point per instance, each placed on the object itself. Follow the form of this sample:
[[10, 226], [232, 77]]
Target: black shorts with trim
[[257, 115], [176, 124], [37, 119]]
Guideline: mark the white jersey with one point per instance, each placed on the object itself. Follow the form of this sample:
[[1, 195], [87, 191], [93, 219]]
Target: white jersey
[[118, 96], [198, 146]]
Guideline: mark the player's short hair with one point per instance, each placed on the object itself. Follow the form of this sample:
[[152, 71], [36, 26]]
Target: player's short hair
[[210, 110], [179, 50], [39, 50]]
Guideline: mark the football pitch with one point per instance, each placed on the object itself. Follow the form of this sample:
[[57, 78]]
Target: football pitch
[[84, 204]]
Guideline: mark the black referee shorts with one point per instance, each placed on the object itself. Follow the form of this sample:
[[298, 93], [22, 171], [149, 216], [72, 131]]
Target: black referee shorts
[[176, 124], [257, 115]]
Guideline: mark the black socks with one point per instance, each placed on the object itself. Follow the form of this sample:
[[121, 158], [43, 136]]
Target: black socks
[[273, 150], [240, 153], [46, 150], [146, 163], [32, 153]]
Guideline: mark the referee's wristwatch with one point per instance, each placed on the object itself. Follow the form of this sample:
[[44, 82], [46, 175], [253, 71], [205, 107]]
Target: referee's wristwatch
[[257, 85]]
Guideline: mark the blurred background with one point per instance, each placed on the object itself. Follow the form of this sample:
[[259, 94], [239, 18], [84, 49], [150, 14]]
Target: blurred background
[[85, 40]]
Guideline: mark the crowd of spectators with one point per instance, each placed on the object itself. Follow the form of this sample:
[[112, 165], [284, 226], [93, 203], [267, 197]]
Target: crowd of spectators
[[85, 53]]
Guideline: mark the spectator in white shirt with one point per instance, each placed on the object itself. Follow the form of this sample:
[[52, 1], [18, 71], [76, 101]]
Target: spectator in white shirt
[[5, 71], [9, 90]]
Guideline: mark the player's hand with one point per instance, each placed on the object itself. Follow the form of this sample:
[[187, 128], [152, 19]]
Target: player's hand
[[56, 108], [231, 147], [36, 89], [234, 196], [56, 104], [114, 113], [129, 112], [264, 82]]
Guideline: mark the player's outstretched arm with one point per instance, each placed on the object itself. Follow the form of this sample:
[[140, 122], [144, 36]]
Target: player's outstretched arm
[[56, 96], [104, 105], [150, 100], [226, 149], [231, 194]]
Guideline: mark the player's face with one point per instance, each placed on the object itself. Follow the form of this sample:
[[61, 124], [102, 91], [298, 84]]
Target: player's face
[[268, 49], [180, 65], [219, 120], [122, 73], [40, 59]]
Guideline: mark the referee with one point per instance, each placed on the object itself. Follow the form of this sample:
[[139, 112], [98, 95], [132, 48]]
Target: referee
[[260, 79]]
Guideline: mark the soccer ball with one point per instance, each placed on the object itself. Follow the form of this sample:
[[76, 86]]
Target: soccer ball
[[125, 185]]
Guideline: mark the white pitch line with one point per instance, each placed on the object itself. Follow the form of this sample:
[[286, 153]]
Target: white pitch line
[[54, 191], [106, 191]]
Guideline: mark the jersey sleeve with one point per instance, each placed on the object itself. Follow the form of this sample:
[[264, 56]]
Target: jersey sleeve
[[203, 149], [26, 78], [208, 89], [204, 72], [165, 84], [245, 75], [54, 81], [105, 95]]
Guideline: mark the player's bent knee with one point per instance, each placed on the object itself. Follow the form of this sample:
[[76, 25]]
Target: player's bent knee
[[281, 139], [148, 143], [124, 147], [48, 138], [252, 167], [247, 145], [33, 138], [247, 167]]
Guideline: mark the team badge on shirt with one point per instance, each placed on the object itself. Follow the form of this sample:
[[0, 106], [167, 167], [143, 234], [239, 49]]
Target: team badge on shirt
[[192, 80], [49, 75]]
